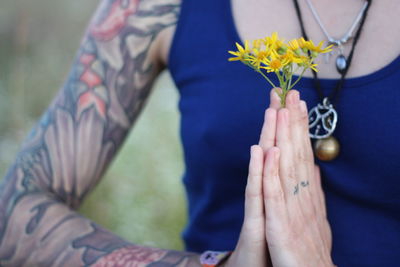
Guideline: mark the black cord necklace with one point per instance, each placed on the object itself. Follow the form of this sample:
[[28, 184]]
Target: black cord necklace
[[323, 118]]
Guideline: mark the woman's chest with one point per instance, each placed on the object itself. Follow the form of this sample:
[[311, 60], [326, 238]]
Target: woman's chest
[[379, 40]]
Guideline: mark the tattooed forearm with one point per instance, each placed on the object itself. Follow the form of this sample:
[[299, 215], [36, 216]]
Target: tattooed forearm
[[66, 153]]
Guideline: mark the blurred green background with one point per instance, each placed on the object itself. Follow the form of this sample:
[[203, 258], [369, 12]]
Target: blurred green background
[[141, 197]]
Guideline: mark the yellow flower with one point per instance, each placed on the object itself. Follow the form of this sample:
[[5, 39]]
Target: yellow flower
[[291, 57], [258, 57], [238, 56], [274, 63], [273, 42], [302, 43], [294, 44], [272, 54], [257, 44], [242, 52], [313, 67], [317, 48], [246, 48]]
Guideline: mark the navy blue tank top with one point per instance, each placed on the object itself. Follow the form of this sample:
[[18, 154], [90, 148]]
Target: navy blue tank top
[[222, 106]]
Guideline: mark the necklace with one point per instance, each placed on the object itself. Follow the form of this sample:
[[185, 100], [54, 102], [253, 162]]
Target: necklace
[[323, 117], [341, 61]]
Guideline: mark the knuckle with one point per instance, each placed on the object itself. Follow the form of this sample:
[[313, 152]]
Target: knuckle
[[303, 117], [292, 173], [274, 196], [270, 113], [273, 192], [302, 156], [251, 191]]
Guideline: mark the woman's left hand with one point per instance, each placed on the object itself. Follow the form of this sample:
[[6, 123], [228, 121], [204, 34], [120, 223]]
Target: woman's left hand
[[297, 231]]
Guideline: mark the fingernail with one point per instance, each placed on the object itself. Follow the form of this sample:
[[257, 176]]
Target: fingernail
[[293, 98], [278, 90], [275, 95], [303, 106], [252, 150], [296, 96]]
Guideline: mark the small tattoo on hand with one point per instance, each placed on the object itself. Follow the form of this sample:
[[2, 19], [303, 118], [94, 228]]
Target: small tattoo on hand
[[296, 189], [305, 183]]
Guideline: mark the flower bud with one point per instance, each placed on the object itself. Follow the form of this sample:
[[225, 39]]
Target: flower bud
[[282, 50]]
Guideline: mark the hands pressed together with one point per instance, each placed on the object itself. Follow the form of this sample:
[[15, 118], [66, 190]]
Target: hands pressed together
[[285, 217]]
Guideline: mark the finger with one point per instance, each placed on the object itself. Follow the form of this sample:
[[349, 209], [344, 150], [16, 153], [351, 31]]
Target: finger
[[300, 134], [319, 191], [254, 208], [287, 170], [306, 135], [267, 138], [275, 100], [322, 216], [274, 200], [303, 159], [315, 188]]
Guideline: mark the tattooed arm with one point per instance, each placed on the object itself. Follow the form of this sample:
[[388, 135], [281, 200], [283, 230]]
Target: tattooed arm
[[66, 153]]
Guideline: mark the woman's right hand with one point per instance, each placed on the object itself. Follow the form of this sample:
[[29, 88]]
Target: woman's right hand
[[297, 229], [251, 249]]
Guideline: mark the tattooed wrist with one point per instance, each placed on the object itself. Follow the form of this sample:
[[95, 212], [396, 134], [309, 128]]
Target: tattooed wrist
[[149, 257]]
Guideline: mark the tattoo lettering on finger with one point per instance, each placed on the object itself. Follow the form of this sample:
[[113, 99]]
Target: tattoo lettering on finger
[[297, 187], [305, 183]]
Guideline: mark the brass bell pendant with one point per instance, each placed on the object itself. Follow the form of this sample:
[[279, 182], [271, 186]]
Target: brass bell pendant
[[326, 149]]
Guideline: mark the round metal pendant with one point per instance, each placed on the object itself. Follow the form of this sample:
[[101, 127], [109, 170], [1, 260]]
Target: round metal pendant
[[322, 120], [327, 149], [341, 63]]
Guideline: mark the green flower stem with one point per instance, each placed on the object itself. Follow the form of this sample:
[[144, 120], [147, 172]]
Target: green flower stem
[[285, 80], [282, 97], [284, 86], [290, 75], [298, 79], [281, 80]]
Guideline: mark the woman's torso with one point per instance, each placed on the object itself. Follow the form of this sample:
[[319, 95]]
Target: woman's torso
[[222, 107]]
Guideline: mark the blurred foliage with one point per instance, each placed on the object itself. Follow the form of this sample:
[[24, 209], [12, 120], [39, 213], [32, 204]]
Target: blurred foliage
[[141, 197]]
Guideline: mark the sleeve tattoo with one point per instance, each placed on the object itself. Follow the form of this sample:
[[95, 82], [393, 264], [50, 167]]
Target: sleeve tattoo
[[66, 153]]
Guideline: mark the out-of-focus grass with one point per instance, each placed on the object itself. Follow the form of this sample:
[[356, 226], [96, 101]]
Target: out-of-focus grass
[[141, 197]]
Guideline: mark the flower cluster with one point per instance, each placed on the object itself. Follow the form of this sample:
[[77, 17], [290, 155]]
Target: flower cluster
[[272, 54]]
